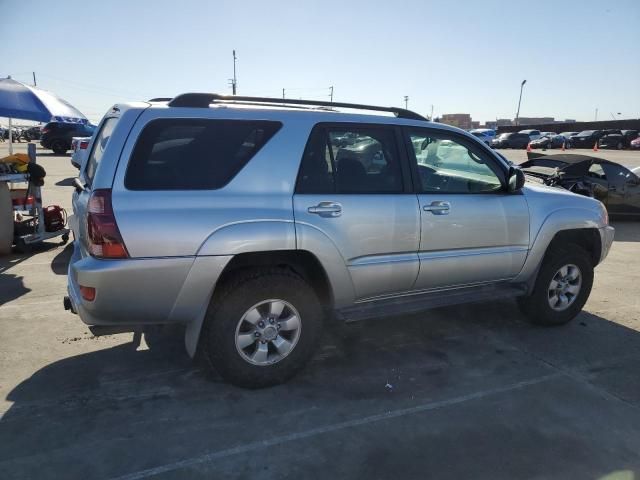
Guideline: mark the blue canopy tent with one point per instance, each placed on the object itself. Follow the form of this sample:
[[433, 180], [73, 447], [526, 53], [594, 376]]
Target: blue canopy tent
[[18, 100]]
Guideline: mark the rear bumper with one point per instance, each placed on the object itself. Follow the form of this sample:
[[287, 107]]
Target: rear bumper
[[143, 291], [128, 292], [606, 239]]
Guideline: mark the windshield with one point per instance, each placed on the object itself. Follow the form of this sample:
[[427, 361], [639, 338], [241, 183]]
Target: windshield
[[586, 133]]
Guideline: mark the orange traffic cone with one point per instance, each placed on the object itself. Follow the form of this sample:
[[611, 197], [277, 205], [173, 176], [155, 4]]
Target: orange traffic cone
[[595, 146], [563, 146], [529, 147]]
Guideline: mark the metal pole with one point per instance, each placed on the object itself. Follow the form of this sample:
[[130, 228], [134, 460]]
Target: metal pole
[[283, 93], [431, 118], [35, 84], [331, 94], [596, 115], [406, 102], [235, 81], [10, 137], [520, 100]]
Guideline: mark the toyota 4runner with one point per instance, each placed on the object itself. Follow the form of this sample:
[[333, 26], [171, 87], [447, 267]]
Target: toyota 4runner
[[248, 220]]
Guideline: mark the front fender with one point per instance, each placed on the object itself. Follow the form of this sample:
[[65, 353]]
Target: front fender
[[572, 218]]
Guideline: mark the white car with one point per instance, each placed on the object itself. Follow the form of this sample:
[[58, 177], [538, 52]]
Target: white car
[[80, 149], [533, 134], [484, 134]]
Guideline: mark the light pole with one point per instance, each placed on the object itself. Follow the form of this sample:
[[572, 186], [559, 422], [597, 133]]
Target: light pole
[[406, 101], [235, 81], [520, 100]]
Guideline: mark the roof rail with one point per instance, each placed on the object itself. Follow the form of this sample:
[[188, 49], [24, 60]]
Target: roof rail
[[160, 99], [203, 100]]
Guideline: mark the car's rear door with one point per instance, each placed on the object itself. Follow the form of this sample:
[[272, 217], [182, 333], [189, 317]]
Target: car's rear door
[[358, 197], [472, 230]]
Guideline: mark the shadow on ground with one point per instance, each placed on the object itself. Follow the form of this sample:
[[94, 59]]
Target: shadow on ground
[[65, 182], [153, 407]]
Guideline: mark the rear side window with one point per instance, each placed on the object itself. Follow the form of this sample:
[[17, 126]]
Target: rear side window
[[99, 146], [194, 154], [349, 160]]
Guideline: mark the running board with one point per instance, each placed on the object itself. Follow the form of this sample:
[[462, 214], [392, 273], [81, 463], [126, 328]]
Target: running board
[[413, 303]]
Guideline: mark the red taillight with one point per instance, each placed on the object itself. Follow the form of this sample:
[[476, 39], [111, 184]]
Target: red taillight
[[88, 293], [84, 144], [104, 239]]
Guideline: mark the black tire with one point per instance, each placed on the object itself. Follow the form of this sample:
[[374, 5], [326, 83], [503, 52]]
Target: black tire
[[233, 301], [59, 147], [619, 146], [536, 306]]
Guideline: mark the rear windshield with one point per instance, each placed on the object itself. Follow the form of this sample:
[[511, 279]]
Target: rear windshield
[[194, 154], [99, 146], [586, 133]]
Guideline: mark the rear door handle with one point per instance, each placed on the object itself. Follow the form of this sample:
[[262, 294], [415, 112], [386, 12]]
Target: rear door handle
[[438, 208], [326, 209]]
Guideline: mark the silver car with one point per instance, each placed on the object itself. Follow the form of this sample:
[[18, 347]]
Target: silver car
[[248, 221]]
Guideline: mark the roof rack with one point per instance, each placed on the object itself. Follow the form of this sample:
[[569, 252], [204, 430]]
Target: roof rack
[[203, 100], [160, 99]]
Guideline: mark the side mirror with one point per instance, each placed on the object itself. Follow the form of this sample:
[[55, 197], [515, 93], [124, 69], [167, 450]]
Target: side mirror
[[516, 179]]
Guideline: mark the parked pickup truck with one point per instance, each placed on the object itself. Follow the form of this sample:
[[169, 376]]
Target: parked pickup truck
[[244, 221]]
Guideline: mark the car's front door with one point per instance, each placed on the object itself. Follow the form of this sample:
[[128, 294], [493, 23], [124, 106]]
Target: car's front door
[[357, 195], [472, 231]]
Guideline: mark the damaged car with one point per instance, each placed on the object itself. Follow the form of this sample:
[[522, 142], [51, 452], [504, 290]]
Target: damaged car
[[617, 187]]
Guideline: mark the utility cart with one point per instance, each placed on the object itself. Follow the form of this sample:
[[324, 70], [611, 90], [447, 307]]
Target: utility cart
[[23, 220]]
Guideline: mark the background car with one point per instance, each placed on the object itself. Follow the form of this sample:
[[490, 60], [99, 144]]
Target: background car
[[617, 139], [549, 141], [32, 133], [533, 134], [57, 135], [484, 134], [511, 140], [586, 139], [617, 187], [635, 143], [547, 134], [80, 148]]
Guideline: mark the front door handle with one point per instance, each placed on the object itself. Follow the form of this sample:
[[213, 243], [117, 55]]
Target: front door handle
[[438, 208], [326, 209]]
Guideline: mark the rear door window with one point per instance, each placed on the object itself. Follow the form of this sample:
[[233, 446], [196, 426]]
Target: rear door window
[[351, 160], [194, 154], [99, 146]]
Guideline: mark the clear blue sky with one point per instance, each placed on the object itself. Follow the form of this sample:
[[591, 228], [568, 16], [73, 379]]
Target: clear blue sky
[[461, 56]]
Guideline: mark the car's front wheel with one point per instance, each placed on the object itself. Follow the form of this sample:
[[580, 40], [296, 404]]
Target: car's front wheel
[[262, 328], [562, 287]]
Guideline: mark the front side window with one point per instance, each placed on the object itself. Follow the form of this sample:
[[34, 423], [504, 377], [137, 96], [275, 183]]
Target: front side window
[[447, 166], [194, 154], [350, 160]]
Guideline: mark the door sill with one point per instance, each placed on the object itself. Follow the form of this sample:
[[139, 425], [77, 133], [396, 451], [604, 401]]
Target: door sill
[[424, 301]]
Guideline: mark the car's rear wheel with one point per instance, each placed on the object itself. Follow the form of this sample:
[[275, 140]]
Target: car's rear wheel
[[562, 287], [59, 147], [262, 328], [619, 146]]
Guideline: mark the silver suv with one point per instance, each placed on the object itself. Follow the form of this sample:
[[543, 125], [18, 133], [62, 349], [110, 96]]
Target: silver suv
[[249, 220]]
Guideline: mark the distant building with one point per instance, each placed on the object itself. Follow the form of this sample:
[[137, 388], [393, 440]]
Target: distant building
[[475, 124], [568, 120], [535, 120], [460, 120], [504, 122], [491, 124]]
